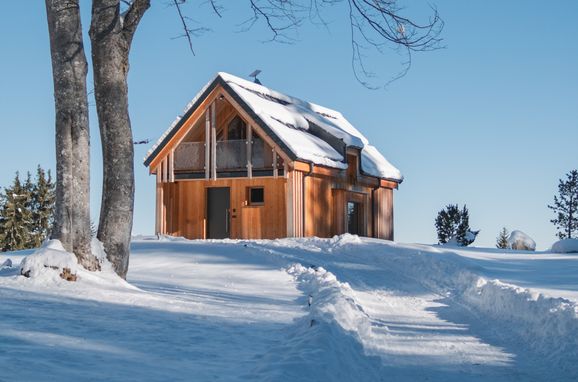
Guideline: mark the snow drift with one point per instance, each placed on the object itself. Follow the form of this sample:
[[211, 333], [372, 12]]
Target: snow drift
[[565, 246]]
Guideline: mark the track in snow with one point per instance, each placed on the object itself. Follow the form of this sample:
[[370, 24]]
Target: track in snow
[[230, 311]]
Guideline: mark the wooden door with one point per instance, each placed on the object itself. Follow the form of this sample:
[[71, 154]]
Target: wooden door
[[218, 216]]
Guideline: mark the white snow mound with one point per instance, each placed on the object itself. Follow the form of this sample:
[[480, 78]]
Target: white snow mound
[[565, 246], [331, 301], [48, 261], [520, 241]]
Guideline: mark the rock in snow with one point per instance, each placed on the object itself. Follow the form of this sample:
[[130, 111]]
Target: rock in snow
[[520, 241], [565, 246]]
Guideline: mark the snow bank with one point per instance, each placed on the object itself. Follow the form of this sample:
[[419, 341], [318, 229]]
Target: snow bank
[[48, 262], [6, 264], [520, 241], [565, 246], [331, 301], [548, 325], [325, 344]]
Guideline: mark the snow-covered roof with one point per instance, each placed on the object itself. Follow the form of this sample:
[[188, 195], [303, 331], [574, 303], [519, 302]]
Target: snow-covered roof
[[297, 124]]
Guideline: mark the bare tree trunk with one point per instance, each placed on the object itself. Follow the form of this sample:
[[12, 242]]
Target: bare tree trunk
[[111, 36], [69, 67]]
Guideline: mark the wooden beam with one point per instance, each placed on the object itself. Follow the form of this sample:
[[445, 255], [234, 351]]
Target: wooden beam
[[165, 171], [328, 171], [158, 204], [388, 184], [172, 166], [213, 142], [275, 169], [290, 201], [249, 151], [301, 166], [207, 144]]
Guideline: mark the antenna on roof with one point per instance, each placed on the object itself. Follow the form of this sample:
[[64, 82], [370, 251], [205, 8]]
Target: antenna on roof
[[254, 75]]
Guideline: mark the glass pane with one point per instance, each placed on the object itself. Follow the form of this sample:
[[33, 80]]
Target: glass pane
[[353, 218], [257, 195], [236, 129], [231, 155], [190, 156], [262, 155]]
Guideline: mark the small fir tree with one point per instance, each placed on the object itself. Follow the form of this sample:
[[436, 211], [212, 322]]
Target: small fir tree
[[16, 216], [451, 222], [502, 239], [43, 197], [566, 206]]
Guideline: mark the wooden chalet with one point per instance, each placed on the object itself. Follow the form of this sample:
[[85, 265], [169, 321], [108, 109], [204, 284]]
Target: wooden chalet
[[247, 162]]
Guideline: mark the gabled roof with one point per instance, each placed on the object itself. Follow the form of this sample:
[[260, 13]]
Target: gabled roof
[[304, 131]]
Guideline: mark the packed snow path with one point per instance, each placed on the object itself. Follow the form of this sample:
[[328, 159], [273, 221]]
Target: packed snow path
[[294, 309]]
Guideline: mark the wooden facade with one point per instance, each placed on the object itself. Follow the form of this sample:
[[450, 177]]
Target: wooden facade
[[221, 175]]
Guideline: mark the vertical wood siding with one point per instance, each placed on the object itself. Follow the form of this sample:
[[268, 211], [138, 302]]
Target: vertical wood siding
[[184, 208]]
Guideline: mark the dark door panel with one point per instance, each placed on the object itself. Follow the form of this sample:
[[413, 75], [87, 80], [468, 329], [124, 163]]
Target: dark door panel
[[218, 220]]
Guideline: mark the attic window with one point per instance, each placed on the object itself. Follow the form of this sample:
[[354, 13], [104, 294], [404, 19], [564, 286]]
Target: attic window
[[256, 196]]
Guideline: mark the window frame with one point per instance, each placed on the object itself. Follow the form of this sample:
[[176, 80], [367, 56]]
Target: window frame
[[249, 196]]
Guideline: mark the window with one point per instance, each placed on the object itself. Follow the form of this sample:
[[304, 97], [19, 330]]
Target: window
[[256, 196], [236, 129], [354, 218]]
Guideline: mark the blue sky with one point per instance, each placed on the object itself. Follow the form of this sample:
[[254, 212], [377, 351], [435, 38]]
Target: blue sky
[[490, 121]]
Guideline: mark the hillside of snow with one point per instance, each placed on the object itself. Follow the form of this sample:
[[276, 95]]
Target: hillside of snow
[[341, 309]]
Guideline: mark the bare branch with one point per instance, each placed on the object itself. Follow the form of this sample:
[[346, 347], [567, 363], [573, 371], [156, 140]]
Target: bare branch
[[133, 16], [186, 29], [374, 24]]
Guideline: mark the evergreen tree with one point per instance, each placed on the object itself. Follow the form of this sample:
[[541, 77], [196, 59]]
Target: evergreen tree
[[43, 195], [451, 222], [16, 216], [566, 206], [502, 239]]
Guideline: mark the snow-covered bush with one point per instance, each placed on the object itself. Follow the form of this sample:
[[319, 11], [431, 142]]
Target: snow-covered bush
[[50, 261], [467, 239], [565, 246], [520, 241]]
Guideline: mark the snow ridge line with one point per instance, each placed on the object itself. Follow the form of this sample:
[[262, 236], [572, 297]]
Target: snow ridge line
[[331, 301]]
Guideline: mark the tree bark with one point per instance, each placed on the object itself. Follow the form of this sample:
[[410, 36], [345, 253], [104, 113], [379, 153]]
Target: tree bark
[[111, 37], [69, 68]]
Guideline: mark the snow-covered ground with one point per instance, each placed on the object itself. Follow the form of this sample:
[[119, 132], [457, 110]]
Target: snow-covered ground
[[341, 309]]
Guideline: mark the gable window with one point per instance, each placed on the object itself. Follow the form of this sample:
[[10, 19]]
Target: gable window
[[236, 129], [256, 196]]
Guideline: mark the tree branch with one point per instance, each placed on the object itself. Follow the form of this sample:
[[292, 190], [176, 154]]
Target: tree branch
[[133, 16]]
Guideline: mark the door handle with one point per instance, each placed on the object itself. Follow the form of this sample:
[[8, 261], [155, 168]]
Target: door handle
[[227, 220]]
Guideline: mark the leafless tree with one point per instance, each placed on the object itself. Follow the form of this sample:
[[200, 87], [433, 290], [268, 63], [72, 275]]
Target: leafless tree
[[374, 24]]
